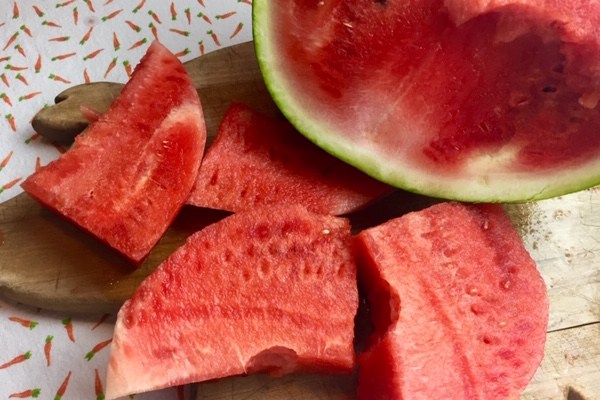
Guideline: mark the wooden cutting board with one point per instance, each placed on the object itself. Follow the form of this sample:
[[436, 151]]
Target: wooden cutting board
[[47, 262]]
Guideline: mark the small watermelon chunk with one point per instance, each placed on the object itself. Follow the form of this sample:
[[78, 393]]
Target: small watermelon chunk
[[126, 177], [459, 306], [256, 160], [472, 100], [270, 289]]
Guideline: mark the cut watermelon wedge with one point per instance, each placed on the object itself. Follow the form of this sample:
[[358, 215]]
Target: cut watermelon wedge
[[256, 160], [129, 173], [473, 100], [459, 308], [272, 289]]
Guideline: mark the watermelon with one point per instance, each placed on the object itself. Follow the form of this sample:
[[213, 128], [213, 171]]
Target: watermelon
[[458, 306], [272, 289], [257, 160], [476, 100], [128, 174]]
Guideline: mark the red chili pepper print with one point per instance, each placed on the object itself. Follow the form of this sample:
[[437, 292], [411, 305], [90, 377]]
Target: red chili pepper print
[[7, 186], [110, 67], [139, 6], [98, 389], [173, 12], [6, 160], [29, 96], [49, 338], [11, 122], [14, 68], [38, 11], [182, 53], [128, 67], [90, 354], [61, 57], [5, 80], [180, 32], [32, 138], [16, 360], [64, 4], [25, 323], [22, 79], [51, 24], [237, 30], [75, 16], [21, 50], [26, 394], [38, 64], [154, 30], [204, 17], [155, 17], [90, 5], [58, 78], [92, 54], [6, 99], [103, 318], [112, 15], [16, 12], [59, 39], [68, 324], [226, 15], [188, 15], [87, 35], [116, 42], [63, 387], [11, 40], [214, 37], [25, 29]]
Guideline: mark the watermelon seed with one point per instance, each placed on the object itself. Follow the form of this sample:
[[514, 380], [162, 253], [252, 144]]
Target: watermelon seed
[[549, 89], [505, 284], [265, 268], [476, 310], [214, 178], [487, 340], [246, 275], [473, 291]]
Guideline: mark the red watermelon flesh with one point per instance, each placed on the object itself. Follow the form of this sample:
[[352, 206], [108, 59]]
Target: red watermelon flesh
[[459, 306], [256, 160], [126, 177], [270, 289], [479, 100]]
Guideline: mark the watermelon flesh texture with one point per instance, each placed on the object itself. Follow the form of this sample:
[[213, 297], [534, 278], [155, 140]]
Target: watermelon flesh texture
[[459, 307], [272, 289], [471, 100], [256, 160], [126, 177]]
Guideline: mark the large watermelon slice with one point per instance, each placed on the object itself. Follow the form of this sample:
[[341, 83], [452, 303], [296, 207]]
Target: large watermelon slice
[[256, 160], [459, 308], [464, 99], [271, 289], [129, 173]]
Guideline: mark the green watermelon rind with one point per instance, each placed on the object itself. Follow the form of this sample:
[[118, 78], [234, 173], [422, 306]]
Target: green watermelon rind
[[514, 188]]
